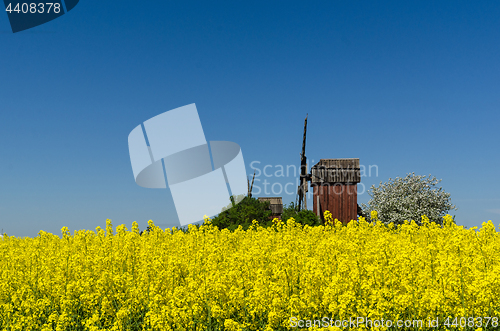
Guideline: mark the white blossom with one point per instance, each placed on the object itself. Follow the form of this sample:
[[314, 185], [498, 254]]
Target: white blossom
[[408, 199]]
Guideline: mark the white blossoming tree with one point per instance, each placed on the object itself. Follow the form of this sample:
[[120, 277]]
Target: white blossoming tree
[[408, 199]]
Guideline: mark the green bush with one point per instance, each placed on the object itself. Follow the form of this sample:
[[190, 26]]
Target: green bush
[[243, 214], [303, 217], [250, 209]]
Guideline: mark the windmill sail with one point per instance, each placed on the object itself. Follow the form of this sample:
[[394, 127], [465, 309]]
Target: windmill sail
[[302, 189]]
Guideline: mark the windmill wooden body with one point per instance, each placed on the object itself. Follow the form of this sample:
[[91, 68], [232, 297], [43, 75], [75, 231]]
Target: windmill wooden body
[[334, 183], [275, 205]]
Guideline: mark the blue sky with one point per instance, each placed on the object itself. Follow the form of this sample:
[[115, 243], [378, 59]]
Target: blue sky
[[404, 86]]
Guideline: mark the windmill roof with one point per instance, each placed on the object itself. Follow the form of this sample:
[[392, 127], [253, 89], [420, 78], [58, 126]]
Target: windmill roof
[[336, 171]]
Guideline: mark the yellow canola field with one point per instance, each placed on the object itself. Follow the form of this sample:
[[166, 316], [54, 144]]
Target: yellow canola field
[[278, 278]]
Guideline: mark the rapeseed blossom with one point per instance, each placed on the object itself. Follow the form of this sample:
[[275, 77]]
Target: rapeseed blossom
[[211, 279]]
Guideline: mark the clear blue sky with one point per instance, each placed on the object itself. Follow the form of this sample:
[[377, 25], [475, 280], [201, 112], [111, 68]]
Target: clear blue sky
[[406, 86]]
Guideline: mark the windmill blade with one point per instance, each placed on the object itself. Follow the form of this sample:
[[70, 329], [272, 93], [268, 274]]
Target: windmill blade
[[250, 187], [303, 170]]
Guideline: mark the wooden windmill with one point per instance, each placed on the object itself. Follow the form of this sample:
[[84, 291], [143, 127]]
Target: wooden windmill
[[334, 183]]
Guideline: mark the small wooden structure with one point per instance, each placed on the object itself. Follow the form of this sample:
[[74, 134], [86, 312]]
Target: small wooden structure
[[275, 204], [334, 183]]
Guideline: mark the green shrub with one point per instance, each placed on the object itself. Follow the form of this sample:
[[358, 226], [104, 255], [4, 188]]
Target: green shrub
[[243, 214], [303, 217], [250, 209]]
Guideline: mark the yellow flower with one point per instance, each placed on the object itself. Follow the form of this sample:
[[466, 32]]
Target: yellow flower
[[252, 280], [231, 325], [328, 218]]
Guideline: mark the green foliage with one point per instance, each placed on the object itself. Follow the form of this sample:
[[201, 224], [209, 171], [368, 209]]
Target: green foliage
[[303, 217], [234, 201], [250, 209], [243, 214], [408, 199]]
